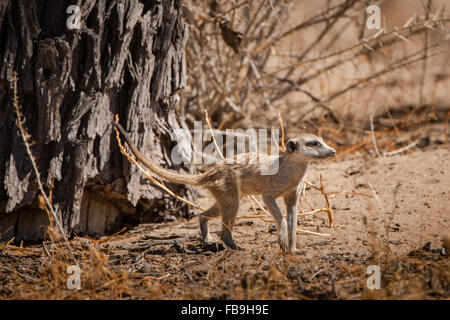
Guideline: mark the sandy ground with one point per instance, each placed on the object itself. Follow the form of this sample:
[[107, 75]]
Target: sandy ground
[[411, 203], [392, 212]]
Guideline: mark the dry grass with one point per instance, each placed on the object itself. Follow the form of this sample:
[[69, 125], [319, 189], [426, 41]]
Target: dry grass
[[110, 272]]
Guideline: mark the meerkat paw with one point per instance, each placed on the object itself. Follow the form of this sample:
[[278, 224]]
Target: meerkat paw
[[236, 248], [293, 250], [233, 246], [209, 240], [283, 241], [230, 243]]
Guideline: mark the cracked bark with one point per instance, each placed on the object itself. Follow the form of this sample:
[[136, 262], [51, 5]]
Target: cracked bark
[[127, 58]]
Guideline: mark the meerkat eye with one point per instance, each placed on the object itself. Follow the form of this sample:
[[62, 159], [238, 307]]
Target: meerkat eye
[[312, 144]]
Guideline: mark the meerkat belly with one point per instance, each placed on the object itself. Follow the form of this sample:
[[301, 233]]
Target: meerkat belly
[[252, 188]]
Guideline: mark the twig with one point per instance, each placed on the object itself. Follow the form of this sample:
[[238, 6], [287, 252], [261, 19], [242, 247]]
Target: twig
[[312, 212], [261, 206], [12, 247], [283, 147], [315, 233], [446, 130], [425, 49], [394, 66], [315, 274], [160, 184], [306, 199], [409, 146], [253, 206], [111, 236], [335, 194], [213, 136], [373, 138], [157, 278], [312, 185], [329, 209]]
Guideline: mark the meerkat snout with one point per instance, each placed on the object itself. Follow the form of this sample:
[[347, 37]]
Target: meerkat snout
[[308, 146]]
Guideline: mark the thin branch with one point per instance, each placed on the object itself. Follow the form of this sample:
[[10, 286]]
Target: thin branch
[[374, 141]]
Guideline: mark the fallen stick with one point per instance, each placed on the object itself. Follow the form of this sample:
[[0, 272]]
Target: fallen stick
[[329, 210], [315, 233], [409, 146], [312, 212]]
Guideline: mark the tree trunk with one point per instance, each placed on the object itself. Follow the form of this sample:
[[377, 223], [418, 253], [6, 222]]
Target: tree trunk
[[127, 57]]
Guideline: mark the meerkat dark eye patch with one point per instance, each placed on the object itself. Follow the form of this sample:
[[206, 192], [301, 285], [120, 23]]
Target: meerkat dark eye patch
[[312, 144], [291, 146]]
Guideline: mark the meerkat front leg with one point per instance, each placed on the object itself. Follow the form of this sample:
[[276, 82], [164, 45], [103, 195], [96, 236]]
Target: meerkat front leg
[[212, 212], [281, 222], [291, 201]]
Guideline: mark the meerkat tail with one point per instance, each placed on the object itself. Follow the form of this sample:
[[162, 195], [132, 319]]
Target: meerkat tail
[[190, 179]]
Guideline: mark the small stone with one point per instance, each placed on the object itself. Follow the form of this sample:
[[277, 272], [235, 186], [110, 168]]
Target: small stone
[[423, 142]]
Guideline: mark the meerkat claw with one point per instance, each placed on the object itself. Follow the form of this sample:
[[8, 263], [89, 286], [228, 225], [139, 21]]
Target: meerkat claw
[[209, 240], [234, 247], [283, 246]]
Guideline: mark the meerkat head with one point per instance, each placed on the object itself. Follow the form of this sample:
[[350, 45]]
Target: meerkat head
[[307, 147]]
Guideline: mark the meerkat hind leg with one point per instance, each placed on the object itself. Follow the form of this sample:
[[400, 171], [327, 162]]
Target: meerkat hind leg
[[212, 212], [229, 208]]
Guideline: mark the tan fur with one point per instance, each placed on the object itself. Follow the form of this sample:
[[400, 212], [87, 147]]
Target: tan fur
[[228, 183]]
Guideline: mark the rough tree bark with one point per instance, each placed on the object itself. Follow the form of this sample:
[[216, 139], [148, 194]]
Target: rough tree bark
[[127, 58]]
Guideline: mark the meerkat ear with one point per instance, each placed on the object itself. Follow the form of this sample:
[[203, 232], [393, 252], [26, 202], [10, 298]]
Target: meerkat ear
[[292, 146]]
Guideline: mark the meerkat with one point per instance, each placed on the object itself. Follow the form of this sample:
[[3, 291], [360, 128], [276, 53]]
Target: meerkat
[[228, 183]]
